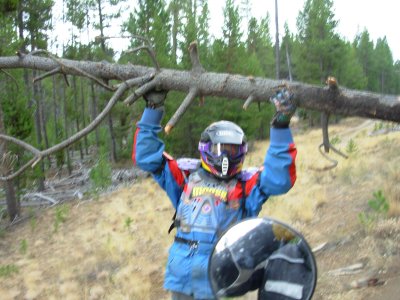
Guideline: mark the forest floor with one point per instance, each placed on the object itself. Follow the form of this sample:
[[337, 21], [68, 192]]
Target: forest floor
[[115, 245]]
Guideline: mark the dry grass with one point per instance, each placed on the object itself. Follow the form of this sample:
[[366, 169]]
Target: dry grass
[[116, 247]]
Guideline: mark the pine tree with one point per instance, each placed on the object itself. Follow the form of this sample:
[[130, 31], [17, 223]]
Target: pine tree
[[365, 54], [231, 37], [317, 55], [384, 60], [150, 20], [259, 44]]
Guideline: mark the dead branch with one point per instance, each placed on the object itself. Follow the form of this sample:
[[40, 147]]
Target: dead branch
[[181, 109], [41, 196], [333, 88], [197, 70], [63, 69]]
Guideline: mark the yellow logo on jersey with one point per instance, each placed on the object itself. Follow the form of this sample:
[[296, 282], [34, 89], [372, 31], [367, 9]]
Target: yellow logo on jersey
[[221, 193]]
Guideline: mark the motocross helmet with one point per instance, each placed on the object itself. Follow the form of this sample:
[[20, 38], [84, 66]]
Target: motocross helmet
[[222, 149]]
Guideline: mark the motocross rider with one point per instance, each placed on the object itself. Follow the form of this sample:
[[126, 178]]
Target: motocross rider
[[213, 192]]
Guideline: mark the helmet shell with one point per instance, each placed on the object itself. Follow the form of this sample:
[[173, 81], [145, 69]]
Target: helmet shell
[[223, 165], [242, 259], [224, 132]]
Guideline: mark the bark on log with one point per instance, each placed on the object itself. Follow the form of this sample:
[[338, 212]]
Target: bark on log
[[346, 102]]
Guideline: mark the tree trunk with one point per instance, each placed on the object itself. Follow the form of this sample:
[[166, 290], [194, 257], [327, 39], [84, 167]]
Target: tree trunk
[[13, 205], [38, 126], [55, 113], [113, 146], [85, 139], [113, 152], [94, 113], [346, 102], [43, 121], [277, 55], [69, 167], [77, 116], [289, 64], [175, 26]]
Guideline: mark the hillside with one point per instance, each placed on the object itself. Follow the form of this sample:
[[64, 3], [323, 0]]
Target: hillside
[[115, 246]]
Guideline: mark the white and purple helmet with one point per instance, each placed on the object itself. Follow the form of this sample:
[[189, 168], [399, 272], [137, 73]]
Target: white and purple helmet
[[222, 149]]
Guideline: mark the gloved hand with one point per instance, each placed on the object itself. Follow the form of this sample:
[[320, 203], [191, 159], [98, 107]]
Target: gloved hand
[[155, 98], [285, 108]]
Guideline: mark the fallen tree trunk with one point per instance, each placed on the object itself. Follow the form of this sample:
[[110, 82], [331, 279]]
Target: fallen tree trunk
[[345, 102], [196, 83]]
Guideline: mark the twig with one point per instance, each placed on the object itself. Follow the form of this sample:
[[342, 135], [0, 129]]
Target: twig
[[194, 58], [41, 196], [64, 70], [197, 70], [248, 102], [149, 50], [181, 109], [48, 74], [9, 75]]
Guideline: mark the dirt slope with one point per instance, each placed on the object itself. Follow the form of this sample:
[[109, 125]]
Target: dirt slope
[[115, 246]]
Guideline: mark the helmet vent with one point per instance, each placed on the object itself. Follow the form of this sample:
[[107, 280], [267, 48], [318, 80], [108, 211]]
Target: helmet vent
[[225, 165]]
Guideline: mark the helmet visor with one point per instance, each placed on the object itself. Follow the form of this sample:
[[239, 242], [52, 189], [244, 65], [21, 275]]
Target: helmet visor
[[230, 150]]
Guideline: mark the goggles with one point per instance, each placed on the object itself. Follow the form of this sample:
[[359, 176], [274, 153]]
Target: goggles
[[216, 150]]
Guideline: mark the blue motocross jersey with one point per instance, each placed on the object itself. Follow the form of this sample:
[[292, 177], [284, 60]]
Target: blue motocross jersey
[[215, 204]]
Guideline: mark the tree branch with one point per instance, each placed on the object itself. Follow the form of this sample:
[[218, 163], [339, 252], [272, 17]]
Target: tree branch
[[182, 109]]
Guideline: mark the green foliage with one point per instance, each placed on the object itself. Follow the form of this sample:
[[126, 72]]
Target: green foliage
[[351, 147], [379, 203], [100, 174], [77, 12], [385, 66], [379, 206], [23, 246], [8, 6], [2, 232], [37, 22], [320, 44], [8, 270], [335, 140], [366, 220], [128, 222], [60, 216], [33, 223], [150, 20], [364, 48], [260, 47], [378, 126], [18, 119]]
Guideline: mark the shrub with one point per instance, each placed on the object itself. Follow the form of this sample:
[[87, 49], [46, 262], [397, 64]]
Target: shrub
[[100, 174]]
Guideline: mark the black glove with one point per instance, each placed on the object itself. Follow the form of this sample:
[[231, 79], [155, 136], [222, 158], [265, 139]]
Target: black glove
[[155, 98], [285, 108]]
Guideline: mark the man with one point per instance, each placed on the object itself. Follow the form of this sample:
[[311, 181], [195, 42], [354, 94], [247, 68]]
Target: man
[[214, 192]]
